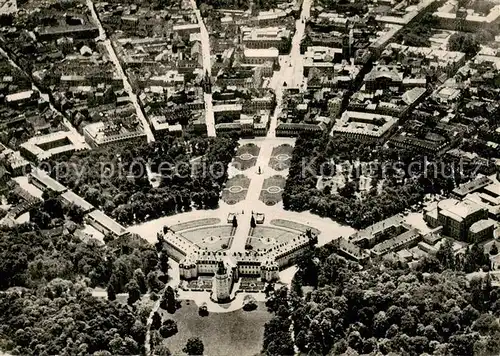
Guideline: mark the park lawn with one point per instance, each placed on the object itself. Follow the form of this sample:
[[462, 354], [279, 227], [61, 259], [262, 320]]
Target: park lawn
[[237, 333], [280, 235], [235, 197], [271, 198], [257, 244], [294, 225], [194, 223], [242, 164], [197, 235], [250, 148], [217, 245]]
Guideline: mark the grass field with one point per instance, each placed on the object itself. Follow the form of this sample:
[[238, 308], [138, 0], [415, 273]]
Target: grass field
[[216, 245], [197, 235], [248, 149], [223, 334], [194, 223], [293, 225], [281, 164], [257, 244], [277, 234]]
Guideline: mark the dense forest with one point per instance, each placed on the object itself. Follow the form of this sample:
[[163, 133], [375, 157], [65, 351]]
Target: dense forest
[[115, 179], [31, 257], [398, 179], [46, 306], [382, 308], [62, 318]]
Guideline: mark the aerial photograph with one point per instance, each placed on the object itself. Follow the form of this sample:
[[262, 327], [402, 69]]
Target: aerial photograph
[[249, 177]]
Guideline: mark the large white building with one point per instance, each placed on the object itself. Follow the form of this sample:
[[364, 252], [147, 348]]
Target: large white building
[[105, 133], [265, 37], [363, 124], [50, 146], [194, 261], [261, 56]]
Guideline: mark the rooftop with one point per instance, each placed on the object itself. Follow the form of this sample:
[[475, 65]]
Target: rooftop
[[458, 210], [107, 222], [45, 146], [73, 198], [102, 133], [261, 53], [395, 242], [48, 181], [473, 185], [482, 225], [363, 123]]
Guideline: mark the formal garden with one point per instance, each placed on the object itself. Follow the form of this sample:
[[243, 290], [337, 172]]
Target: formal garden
[[281, 157], [252, 285], [211, 238], [199, 284], [236, 189], [266, 237], [246, 156], [272, 190]]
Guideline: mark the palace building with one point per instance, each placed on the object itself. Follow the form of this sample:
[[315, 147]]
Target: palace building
[[227, 267]]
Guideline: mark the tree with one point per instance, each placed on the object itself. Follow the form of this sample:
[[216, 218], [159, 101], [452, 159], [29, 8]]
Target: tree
[[194, 346], [252, 222], [164, 262], [40, 218], [110, 328], [348, 189], [494, 249], [111, 292], [169, 302], [169, 328], [141, 280], [154, 282], [464, 42], [150, 260], [235, 222], [134, 292], [445, 255], [161, 240], [76, 214], [156, 321], [108, 238], [162, 350]]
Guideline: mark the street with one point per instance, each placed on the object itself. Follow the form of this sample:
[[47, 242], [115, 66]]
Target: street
[[207, 69], [121, 73], [286, 71]]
